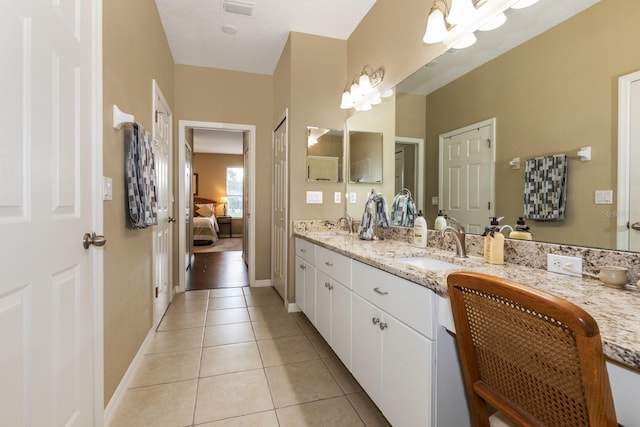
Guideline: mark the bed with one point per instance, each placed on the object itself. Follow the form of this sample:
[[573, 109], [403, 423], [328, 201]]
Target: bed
[[205, 226]]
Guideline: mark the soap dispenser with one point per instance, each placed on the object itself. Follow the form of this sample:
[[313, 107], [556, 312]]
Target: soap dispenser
[[522, 231], [420, 231], [493, 243], [441, 221]]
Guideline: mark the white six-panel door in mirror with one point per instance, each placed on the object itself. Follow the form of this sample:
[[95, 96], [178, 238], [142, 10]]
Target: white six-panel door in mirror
[[46, 300], [466, 181]]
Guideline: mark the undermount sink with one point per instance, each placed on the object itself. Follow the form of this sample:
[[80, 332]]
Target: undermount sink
[[430, 263]]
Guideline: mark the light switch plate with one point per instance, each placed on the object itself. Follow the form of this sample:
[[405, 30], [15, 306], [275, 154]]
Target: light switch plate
[[352, 197], [434, 200], [314, 197], [604, 197], [337, 197], [107, 188]]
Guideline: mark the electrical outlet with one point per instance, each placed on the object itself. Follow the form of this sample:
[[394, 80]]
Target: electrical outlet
[[557, 264]]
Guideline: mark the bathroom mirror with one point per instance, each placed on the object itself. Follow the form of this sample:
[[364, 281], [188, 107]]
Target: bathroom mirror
[[552, 94], [325, 150], [365, 157]]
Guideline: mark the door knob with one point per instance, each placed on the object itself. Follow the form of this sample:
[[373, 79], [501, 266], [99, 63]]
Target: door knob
[[171, 219], [93, 239], [636, 226]]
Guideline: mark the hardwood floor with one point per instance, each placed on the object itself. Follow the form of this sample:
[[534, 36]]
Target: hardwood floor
[[217, 270]]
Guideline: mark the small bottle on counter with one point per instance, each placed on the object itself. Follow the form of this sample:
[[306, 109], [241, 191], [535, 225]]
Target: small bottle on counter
[[420, 231], [522, 231], [493, 243], [441, 221]]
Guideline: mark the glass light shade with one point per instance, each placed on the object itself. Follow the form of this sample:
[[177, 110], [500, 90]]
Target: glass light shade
[[375, 99], [387, 93], [364, 83], [523, 3], [466, 41], [346, 100], [436, 27], [461, 12], [493, 23], [364, 107], [355, 92]]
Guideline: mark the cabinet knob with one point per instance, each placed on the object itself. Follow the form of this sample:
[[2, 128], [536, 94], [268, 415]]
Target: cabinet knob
[[383, 326], [375, 320], [303, 267], [326, 285], [329, 264]]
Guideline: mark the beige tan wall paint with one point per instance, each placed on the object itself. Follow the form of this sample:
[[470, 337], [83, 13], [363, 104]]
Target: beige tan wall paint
[[135, 51], [553, 94], [212, 179], [214, 95], [315, 67]]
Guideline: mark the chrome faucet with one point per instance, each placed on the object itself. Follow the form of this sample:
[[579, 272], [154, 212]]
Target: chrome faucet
[[506, 227], [455, 228], [349, 220]]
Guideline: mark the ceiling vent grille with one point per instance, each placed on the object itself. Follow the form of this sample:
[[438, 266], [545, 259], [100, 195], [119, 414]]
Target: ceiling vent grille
[[238, 6]]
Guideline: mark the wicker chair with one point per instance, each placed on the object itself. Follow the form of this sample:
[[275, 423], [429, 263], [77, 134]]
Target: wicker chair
[[535, 357]]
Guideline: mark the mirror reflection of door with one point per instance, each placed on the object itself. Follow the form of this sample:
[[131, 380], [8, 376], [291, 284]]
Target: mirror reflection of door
[[466, 175], [405, 168]]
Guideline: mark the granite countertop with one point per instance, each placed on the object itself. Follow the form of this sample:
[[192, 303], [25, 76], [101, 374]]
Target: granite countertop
[[617, 311]]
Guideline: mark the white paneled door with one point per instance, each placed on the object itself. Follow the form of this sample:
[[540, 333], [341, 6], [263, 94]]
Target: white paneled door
[[162, 233], [466, 175], [49, 155], [279, 214]]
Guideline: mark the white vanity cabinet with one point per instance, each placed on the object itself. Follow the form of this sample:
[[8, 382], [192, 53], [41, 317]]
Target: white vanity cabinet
[[392, 347], [333, 302], [305, 280]]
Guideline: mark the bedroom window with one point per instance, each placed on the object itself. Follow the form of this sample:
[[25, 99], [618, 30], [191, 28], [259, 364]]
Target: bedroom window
[[234, 192]]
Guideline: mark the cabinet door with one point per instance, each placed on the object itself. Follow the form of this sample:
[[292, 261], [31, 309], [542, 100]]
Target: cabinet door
[[310, 292], [341, 322], [323, 305], [300, 276], [366, 350], [407, 381]]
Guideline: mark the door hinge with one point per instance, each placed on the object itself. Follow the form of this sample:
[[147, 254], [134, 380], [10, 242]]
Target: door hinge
[[157, 113], [489, 205], [489, 142], [156, 292]]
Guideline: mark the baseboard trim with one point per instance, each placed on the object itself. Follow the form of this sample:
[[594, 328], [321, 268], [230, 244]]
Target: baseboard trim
[[292, 307], [126, 379], [262, 283]]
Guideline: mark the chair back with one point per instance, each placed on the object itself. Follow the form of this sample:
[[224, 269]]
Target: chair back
[[535, 357]]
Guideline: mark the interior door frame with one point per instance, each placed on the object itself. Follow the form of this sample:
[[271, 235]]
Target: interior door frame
[[420, 161], [183, 125], [624, 144]]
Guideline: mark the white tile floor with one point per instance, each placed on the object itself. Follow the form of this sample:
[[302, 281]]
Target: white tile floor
[[235, 357]]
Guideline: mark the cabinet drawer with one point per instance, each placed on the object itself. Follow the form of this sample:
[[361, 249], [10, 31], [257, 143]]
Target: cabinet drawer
[[306, 250], [335, 265], [407, 301]]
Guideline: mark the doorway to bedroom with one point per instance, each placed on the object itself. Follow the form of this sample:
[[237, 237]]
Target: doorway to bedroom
[[217, 201]]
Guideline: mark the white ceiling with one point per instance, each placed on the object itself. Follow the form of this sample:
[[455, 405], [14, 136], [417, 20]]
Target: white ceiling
[[194, 29], [217, 141]]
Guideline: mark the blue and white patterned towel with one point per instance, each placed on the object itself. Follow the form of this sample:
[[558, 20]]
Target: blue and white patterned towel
[[141, 178], [545, 188]]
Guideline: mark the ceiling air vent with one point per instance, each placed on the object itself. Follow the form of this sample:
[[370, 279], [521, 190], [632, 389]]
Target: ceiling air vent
[[238, 6]]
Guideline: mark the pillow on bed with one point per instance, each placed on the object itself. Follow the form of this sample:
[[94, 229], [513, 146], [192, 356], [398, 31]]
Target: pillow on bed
[[204, 210]]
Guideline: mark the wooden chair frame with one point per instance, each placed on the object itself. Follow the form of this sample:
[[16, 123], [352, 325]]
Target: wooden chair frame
[[533, 356]]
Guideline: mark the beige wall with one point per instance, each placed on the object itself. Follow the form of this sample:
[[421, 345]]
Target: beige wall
[[135, 51], [553, 94], [214, 95], [212, 179]]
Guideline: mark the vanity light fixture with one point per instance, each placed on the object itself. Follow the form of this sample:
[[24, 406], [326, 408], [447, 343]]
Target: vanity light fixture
[[363, 91], [523, 3], [442, 18]]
